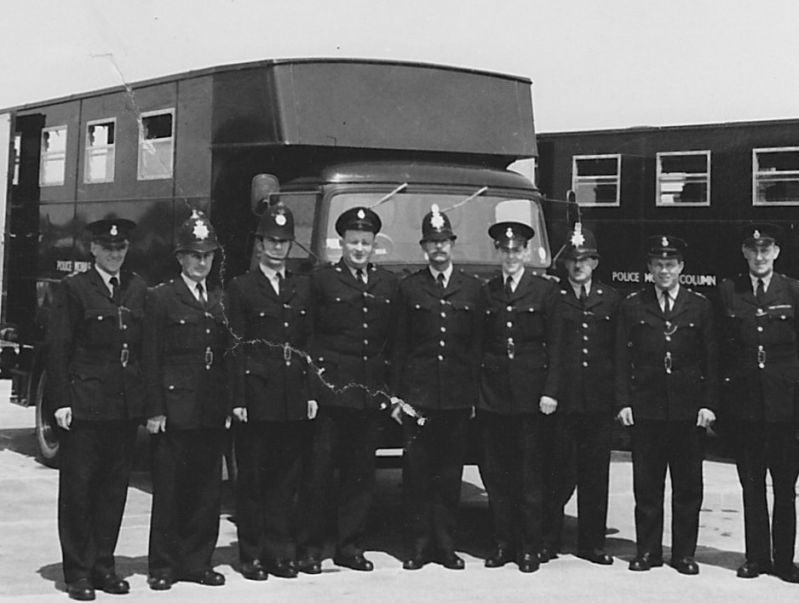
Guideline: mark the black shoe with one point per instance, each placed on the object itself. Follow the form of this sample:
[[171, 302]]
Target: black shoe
[[418, 561], [499, 557], [686, 566], [282, 568], [528, 563], [309, 565], [451, 560], [788, 573], [752, 569], [357, 562], [597, 556], [645, 562], [81, 590], [546, 553], [159, 583], [254, 571], [111, 584], [208, 578]]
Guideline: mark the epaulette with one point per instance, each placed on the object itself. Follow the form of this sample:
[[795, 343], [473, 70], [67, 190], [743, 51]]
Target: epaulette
[[702, 295], [632, 295]]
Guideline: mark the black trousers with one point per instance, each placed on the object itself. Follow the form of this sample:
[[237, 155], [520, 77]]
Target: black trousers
[[679, 447], [347, 439], [96, 459], [431, 478], [762, 447], [511, 470], [269, 460], [579, 455], [187, 479]]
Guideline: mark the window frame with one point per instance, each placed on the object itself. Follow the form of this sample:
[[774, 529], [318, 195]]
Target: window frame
[[87, 149], [46, 156], [756, 171], [142, 116], [17, 149], [617, 177], [659, 174]]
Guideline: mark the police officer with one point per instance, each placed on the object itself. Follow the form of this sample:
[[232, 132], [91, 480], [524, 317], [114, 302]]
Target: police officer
[[761, 368], [353, 305], [667, 390], [268, 309], [187, 408], [518, 382], [434, 369], [94, 352], [587, 310]]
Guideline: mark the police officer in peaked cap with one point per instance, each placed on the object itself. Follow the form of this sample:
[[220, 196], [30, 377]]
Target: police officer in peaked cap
[[434, 370], [353, 306], [185, 338], [519, 379], [94, 367], [759, 335], [579, 447], [667, 393], [269, 313]]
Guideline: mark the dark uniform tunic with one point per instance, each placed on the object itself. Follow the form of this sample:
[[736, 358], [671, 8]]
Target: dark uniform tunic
[[94, 352], [270, 379], [761, 369], [184, 347], [520, 363], [352, 328], [585, 406], [666, 369], [435, 368]]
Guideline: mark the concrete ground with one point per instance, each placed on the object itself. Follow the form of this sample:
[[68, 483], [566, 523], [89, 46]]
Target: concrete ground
[[30, 557]]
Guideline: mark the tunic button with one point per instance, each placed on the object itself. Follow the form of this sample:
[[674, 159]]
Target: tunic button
[[509, 324], [171, 387], [585, 325], [285, 324], [263, 314], [124, 327], [365, 342], [585, 363], [585, 337], [585, 350], [443, 329], [668, 337], [443, 302], [442, 343], [443, 315], [366, 325], [440, 357], [247, 372], [760, 329], [208, 331], [365, 358], [509, 308]]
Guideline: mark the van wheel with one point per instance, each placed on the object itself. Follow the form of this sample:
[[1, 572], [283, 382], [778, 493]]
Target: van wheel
[[46, 429]]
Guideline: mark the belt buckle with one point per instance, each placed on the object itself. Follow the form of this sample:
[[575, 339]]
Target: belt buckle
[[667, 363], [761, 357], [511, 347], [287, 354], [124, 356], [209, 358]]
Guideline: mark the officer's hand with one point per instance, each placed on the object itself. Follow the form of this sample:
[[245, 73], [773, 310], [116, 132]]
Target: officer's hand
[[228, 421], [625, 416], [705, 418], [240, 413], [396, 409], [548, 405], [156, 424], [63, 416], [313, 408]]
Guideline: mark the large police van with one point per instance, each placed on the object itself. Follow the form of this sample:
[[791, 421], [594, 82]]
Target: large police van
[[319, 135]]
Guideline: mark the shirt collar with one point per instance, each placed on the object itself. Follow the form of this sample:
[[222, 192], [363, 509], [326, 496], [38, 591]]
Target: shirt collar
[[192, 285], [673, 292], [447, 273], [106, 276], [766, 280], [515, 278], [271, 273], [577, 286]]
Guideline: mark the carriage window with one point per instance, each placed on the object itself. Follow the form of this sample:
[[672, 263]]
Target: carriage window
[[775, 176], [683, 178], [100, 153], [54, 156], [156, 145], [596, 179]]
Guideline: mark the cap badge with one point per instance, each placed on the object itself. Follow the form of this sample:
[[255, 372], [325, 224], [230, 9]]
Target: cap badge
[[756, 234], [578, 238], [436, 220], [114, 232], [361, 214], [664, 242], [200, 230], [280, 219], [509, 233]]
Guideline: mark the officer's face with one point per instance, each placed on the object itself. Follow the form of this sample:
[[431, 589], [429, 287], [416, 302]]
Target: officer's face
[[439, 253], [761, 259], [356, 247], [580, 270], [665, 271], [512, 257], [109, 256], [195, 264], [273, 251]]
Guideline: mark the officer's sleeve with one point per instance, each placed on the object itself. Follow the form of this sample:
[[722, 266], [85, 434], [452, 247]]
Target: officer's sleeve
[[316, 383], [623, 359], [152, 352], [60, 336], [711, 353], [237, 324], [554, 339]]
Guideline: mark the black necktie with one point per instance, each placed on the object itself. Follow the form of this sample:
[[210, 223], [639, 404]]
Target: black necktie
[[440, 281], [279, 279], [583, 294], [666, 303], [201, 294], [760, 292], [509, 286], [114, 281], [361, 276]]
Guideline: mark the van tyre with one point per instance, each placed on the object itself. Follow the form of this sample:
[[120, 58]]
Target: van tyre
[[47, 444]]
